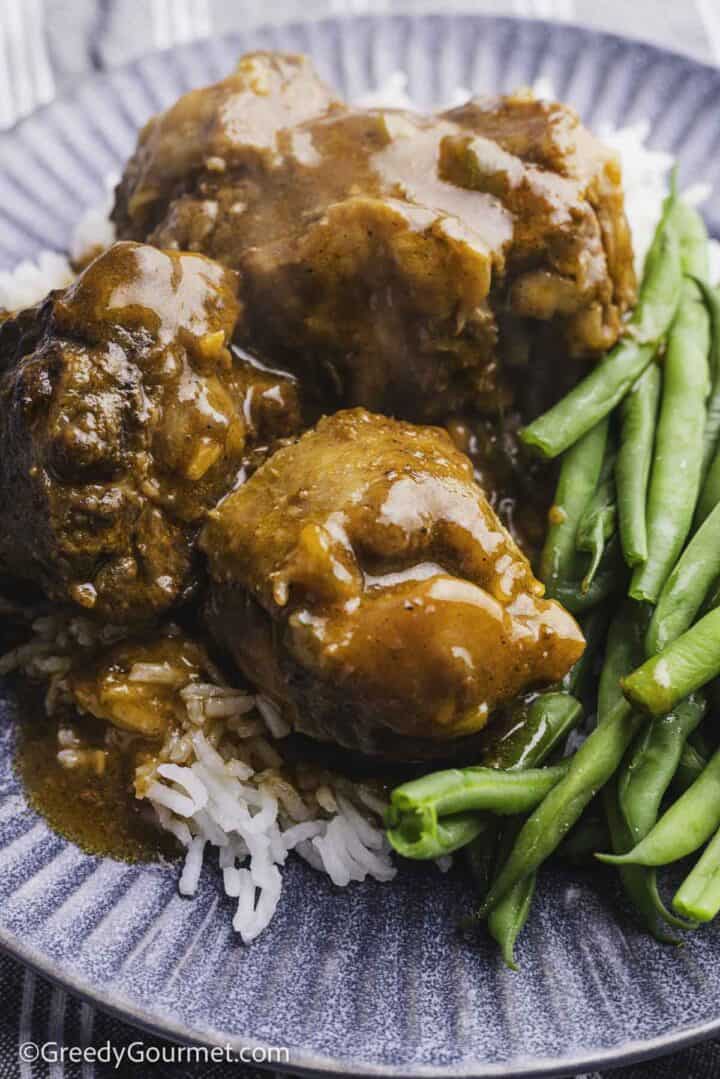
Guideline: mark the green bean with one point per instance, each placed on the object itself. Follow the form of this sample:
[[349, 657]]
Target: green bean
[[690, 766], [481, 855], [653, 762], [632, 469], [639, 886], [589, 834], [693, 239], [687, 586], [623, 651], [600, 527], [552, 716], [590, 768], [418, 808], [609, 579], [579, 473], [596, 396], [447, 835], [698, 896], [711, 433], [455, 790], [711, 298], [507, 920], [593, 399], [710, 493], [656, 756], [682, 668], [677, 462], [685, 826], [657, 298], [598, 522], [548, 721]]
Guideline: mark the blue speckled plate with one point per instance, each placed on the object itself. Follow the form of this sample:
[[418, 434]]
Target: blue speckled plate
[[371, 979]]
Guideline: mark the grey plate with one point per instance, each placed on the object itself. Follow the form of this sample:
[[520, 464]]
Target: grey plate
[[371, 979]]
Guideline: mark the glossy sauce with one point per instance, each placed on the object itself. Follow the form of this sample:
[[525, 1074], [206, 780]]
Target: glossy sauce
[[360, 579], [274, 168], [446, 227], [99, 813]]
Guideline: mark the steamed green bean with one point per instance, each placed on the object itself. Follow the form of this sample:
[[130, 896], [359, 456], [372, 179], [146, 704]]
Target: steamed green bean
[[551, 716], [507, 919], [677, 459], [609, 580], [632, 468], [590, 768], [547, 722], [455, 790], [682, 668], [579, 474], [419, 808], [652, 763], [687, 586], [685, 826], [623, 651], [447, 835], [711, 432], [698, 896], [598, 522], [710, 492], [596, 396], [693, 239], [639, 883]]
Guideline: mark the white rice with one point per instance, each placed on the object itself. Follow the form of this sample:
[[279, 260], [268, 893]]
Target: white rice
[[225, 805], [217, 783], [30, 282]]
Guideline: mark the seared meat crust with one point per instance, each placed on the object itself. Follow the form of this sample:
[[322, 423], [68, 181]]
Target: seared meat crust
[[395, 260], [361, 579], [124, 416]]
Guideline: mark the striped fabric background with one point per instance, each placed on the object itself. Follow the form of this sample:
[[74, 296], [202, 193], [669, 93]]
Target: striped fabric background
[[45, 44]]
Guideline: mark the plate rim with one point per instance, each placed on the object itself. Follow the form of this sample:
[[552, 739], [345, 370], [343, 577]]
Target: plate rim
[[79, 86], [307, 1063], [304, 1062]]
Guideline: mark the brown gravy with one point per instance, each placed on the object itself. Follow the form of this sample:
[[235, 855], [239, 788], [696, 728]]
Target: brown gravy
[[98, 813]]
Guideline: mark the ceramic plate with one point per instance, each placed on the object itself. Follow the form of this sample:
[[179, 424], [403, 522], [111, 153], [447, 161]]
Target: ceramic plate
[[371, 979]]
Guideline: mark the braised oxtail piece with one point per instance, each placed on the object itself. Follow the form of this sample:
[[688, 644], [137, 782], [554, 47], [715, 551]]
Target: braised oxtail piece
[[363, 581], [402, 262], [125, 416]]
